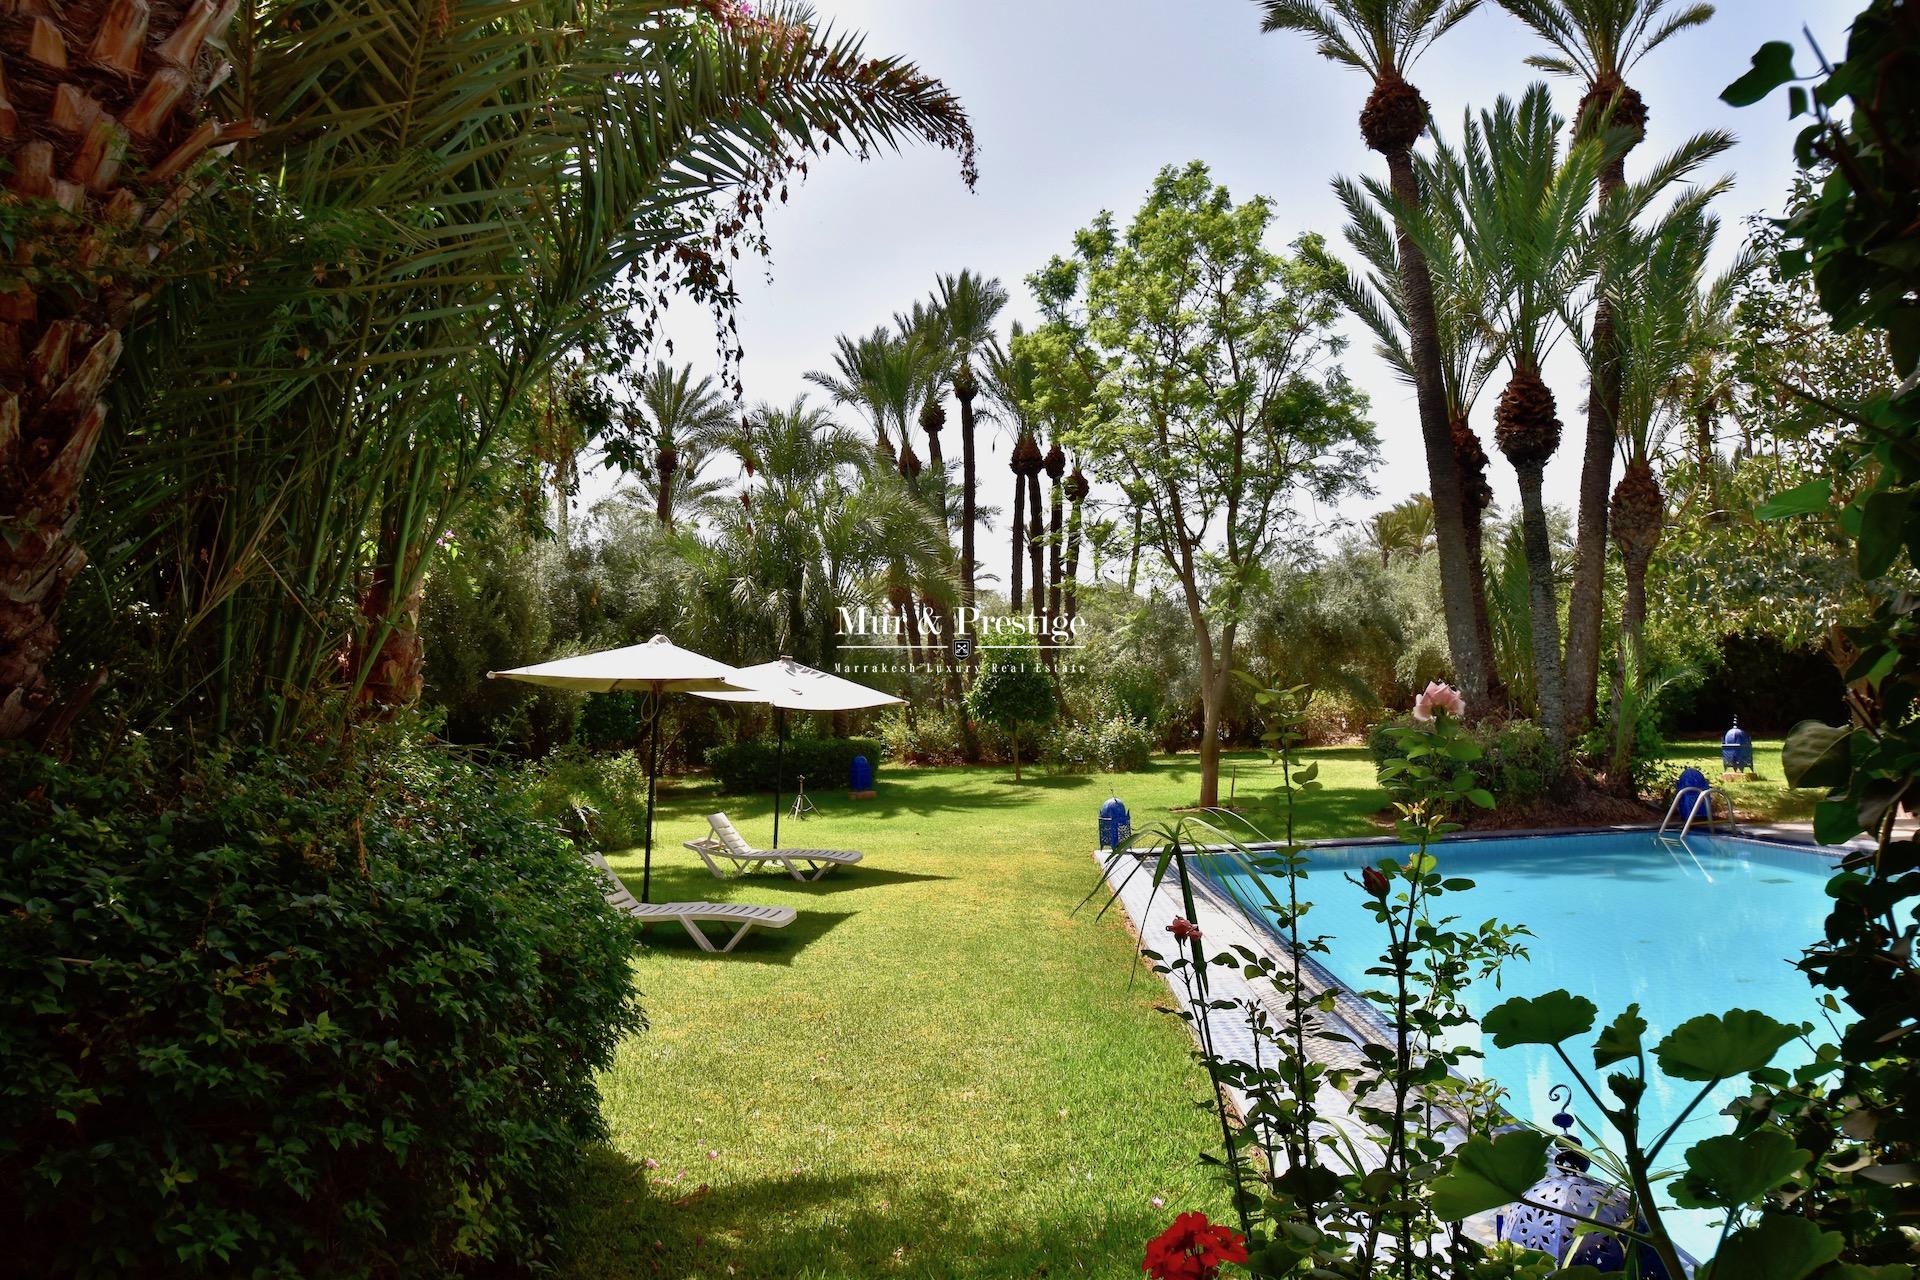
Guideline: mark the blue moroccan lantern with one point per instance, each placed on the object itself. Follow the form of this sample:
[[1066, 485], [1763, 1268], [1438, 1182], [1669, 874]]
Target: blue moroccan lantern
[[1569, 1186], [1736, 750], [1116, 824], [860, 781]]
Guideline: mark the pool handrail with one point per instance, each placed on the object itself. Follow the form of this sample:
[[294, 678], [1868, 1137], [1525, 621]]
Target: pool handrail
[[1693, 809]]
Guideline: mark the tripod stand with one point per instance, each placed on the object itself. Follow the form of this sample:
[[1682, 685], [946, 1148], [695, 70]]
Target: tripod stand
[[801, 805]]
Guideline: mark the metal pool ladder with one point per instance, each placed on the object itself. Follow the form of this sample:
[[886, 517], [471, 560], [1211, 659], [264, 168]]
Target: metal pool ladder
[[1692, 796]]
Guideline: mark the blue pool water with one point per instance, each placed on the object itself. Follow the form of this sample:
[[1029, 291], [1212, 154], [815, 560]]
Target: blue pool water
[[1618, 918]]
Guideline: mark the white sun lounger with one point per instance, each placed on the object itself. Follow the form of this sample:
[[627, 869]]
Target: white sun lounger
[[691, 914], [729, 845]]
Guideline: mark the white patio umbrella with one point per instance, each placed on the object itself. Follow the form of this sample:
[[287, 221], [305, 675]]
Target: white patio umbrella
[[786, 685], [656, 668]]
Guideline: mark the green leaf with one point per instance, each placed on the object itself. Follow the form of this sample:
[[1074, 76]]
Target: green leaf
[[1485, 1175], [1815, 755], [1729, 1172], [1718, 1046], [1547, 1019], [1836, 821], [1801, 500], [1480, 796], [1883, 523], [1777, 1248], [1772, 67], [1620, 1039]]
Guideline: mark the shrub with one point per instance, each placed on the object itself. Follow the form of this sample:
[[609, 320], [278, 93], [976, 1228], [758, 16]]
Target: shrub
[[1011, 692], [294, 1017], [1117, 744], [1514, 764], [601, 798], [750, 766], [922, 739]]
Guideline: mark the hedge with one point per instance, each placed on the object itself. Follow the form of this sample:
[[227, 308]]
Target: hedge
[[825, 762]]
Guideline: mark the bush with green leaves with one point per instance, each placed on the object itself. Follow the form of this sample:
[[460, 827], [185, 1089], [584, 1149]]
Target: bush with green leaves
[[922, 737], [1118, 743], [1513, 766], [601, 798], [294, 1016], [825, 762]]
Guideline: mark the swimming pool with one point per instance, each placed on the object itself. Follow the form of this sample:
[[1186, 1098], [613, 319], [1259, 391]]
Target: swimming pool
[[1617, 917]]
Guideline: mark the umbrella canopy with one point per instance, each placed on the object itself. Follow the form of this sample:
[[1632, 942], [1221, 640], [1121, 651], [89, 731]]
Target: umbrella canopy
[[786, 685], [794, 686], [657, 667]]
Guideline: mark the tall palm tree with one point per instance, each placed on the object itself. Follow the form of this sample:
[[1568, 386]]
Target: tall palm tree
[[1056, 466], [1516, 206], [1077, 489], [1599, 42], [969, 306], [106, 133], [1383, 39], [1467, 360], [679, 418], [1670, 314], [1011, 385]]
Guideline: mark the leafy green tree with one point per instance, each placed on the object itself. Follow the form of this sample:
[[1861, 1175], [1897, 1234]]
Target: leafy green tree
[[1014, 692], [1219, 393]]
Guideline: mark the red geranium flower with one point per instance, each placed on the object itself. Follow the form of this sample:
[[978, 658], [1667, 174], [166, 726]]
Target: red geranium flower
[[1193, 1249], [1184, 929]]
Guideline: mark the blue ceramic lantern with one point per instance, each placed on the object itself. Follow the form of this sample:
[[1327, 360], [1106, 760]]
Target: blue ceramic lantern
[[1736, 750], [1569, 1186], [862, 776], [1116, 824]]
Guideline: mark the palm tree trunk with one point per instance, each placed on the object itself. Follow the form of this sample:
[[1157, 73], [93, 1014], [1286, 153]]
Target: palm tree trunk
[[1587, 602], [1036, 549], [1019, 539], [1544, 610], [1464, 627], [1056, 550], [969, 503], [87, 240]]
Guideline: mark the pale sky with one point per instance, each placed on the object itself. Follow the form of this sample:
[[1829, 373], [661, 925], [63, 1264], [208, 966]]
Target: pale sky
[[1077, 103]]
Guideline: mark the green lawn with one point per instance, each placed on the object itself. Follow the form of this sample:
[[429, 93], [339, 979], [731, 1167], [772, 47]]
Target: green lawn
[[1766, 797], [938, 1070]]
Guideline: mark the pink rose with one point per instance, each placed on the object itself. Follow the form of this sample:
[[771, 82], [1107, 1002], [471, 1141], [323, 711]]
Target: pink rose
[[1437, 699], [1183, 929]]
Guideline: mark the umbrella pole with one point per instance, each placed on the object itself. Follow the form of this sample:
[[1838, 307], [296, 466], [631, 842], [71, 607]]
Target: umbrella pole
[[779, 767], [653, 767]]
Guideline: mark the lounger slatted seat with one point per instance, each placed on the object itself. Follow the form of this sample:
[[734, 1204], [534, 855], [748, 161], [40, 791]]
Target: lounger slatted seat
[[727, 844], [691, 914]]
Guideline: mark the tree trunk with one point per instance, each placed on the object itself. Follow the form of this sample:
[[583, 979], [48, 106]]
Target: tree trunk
[[93, 94], [1544, 611], [1464, 628], [1633, 667], [969, 504], [1215, 674], [1056, 550], [1036, 548], [1133, 557], [1072, 586], [1019, 539], [664, 463]]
